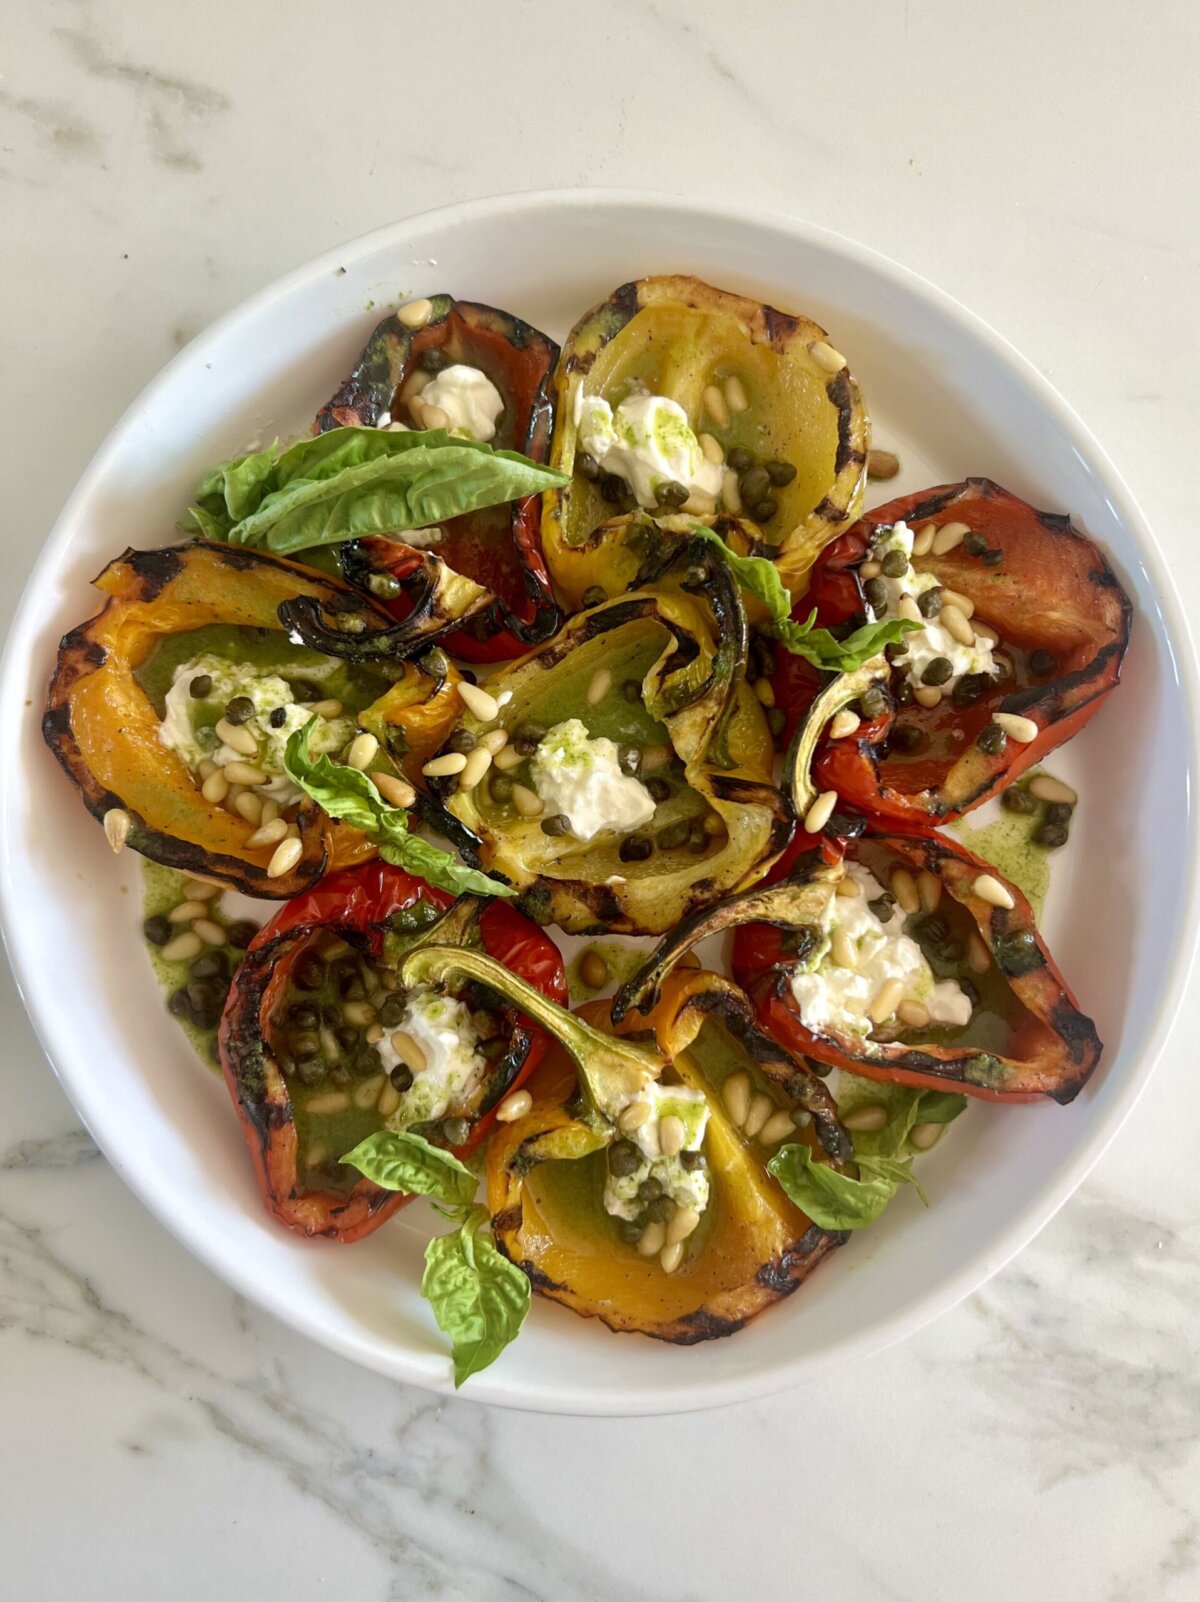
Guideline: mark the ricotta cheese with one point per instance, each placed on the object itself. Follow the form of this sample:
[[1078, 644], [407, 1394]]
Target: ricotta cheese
[[470, 400], [687, 1187], [579, 777], [454, 1067], [648, 442], [932, 639]]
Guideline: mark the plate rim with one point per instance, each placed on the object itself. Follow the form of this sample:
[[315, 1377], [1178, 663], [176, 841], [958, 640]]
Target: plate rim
[[1180, 648]]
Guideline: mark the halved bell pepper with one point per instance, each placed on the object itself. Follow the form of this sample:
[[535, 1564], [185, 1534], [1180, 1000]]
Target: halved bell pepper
[[301, 1114], [1063, 624], [678, 337], [1026, 1037], [102, 723], [661, 673], [499, 548], [546, 1171]]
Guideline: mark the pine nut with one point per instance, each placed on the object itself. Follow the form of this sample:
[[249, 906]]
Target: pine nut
[[593, 970], [956, 625], [731, 494], [316, 1154], [848, 888], [927, 695], [331, 708], [778, 1127], [389, 1100], [735, 394], [415, 313], [367, 1094], [671, 1135], [443, 766], [633, 1116], [655, 757], [988, 888], [215, 788], [211, 933], [870, 569], [832, 361], [359, 1013], [527, 802], [923, 1136], [410, 1051], [652, 1240], [843, 949], [237, 737], [712, 449], [904, 888], [714, 405], [508, 759], [1047, 788], [700, 504], [913, 1014], [923, 540], [683, 1224], [983, 632], [363, 750], [887, 999], [201, 890], [671, 1257], [948, 537], [929, 888], [186, 911], [183, 948], [514, 1107], [842, 725], [979, 958], [478, 702], [248, 806], [819, 814], [735, 1093], [373, 1034], [206, 767], [395, 791], [231, 797], [599, 687], [495, 740], [284, 858], [882, 464], [116, 827], [765, 691], [907, 608], [1022, 730], [333, 1101], [435, 417], [477, 764], [866, 1120], [964, 603], [244, 773], [416, 407]]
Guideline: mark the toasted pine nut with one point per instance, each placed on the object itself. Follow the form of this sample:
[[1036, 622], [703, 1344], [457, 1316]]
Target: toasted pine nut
[[247, 805], [201, 890], [735, 1093], [1022, 730], [765, 691], [964, 603], [682, 1225], [907, 608], [443, 766], [929, 888], [956, 625], [700, 504], [410, 1051], [731, 494], [843, 724], [211, 933], [832, 361], [913, 1014], [988, 888], [389, 1100], [819, 814], [904, 888], [923, 540], [866, 1120], [593, 970], [778, 1127], [887, 999], [183, 948], [927, 695], [244, 773], [714, 405], [761, 1108], [116, 827], [712, 449], [923, 1136], [367, 1094], [186, 911], [333, 1101], [395, 791], [599, 687], [671, 1135], [476, 765], [237, 737], [285, 857], [948, 537], [633, 1116], [843, 949], [654, 757], [1047, 788], [882, 464], [478, 702], [415, 313], [653, 1237], [527, 802], [870, 569], [363, 750], [514, 1107], [735, 394], [360, 1014], [330, 708], [671, 1256], [495, 741], [848, 888], [434, 417], [215, 788], [206, 767], [979, 958], [508, 759]]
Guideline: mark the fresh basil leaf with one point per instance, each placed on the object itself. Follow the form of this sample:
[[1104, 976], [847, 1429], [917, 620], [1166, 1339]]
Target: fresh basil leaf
[[402, 1160], [905, 1109], [760, 578], [834, 1200], [479, 1298], [348, 795], [351, 482]]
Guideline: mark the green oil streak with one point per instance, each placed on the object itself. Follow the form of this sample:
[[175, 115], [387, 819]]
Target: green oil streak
[[1008, 844], [162, 889]]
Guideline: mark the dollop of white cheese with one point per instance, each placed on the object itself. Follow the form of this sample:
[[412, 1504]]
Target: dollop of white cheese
[[687, 1187], [932, 639], [579, 777], [833, 999], [470, 400], [189, 722], [454, 1067], [648, 443]]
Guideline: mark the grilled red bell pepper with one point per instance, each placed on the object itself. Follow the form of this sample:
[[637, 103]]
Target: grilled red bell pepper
[[359, 906], [1063, 623], [500, 547]]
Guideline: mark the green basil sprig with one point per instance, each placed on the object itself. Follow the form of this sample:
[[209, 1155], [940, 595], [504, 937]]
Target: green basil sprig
[[399, 1159]]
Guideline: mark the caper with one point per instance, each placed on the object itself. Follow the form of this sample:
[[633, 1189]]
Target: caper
[[873, 702], [673, 836], [433, 360], [938, 671], [974, 544], [631, 690], [556, 823], [624, 1159], [391, 1010], [969, 689], [755, 484], [350, 986], [821, 1069], [303, 1045], [1041, 663], [992, 741], [650, 1188], [157, 930], [278, 717], [401, 1077], [907, 738], [310, 973], [1018, 951], [904, 692], [929, 602], [875, 592], [594, 595], [660, 789], [740, 459], [462, 741], [672, 493], [763, 511], [661, 1210], [347, 1036], [883, 907], [896, 652], [629, 1230], [587, 467], [635, 848], [340, 1075], [200, 687], [1059, 812], [303, 1016], [780, 473], [303, 691], [697, 841], [501, 788], [310, 1072], [239, 710], [1050, 835], [613, 489], [776, 721], [210, 966], [894, 564], [528, 737], [992, 558], [629, 759], [456, 1130], [1018, 799], [691, 1160], [240, 934]]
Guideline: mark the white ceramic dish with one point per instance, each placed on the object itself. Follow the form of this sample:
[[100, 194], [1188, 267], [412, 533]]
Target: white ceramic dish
[[954, 399]]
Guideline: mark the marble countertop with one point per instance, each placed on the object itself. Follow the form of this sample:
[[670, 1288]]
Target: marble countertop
[[164, 1440]]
